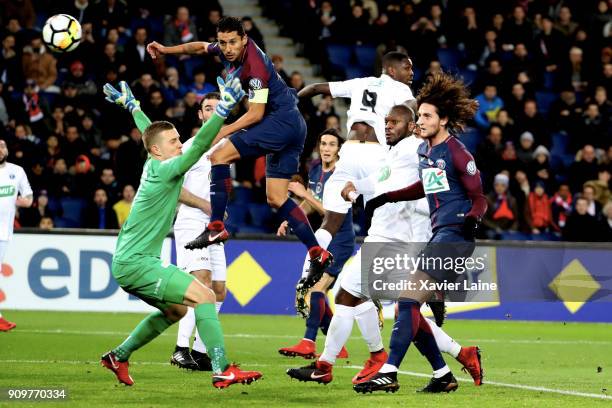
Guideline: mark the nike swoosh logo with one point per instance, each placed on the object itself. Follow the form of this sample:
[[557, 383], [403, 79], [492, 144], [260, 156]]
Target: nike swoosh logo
[[113, 363], [213, 237], [316, 377], [225, 377]]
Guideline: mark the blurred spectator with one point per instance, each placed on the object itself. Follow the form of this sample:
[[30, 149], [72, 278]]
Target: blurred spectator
[[61, 182], [564, 23], [565, 112], [172, 88], [601, 186], [580, 225], [506, 124], [112, 60], [40, 65], [34, 107], [532, 121], [525, 150], [82, 10], [73, 145], [509, 160], [539, 168], [516, 30], [253, 32], [208, 29], [551, 47], [327, 22], [109, 184], [100, 214], [123, 206], [575, 73], [200, 87], [111, 14], [561, 205], [591, 129], [593, 207], [358, 30], [23, 10], [540, 213], [10, 63], [278, 62], [31, 217], [137, 58], [502, 213], [143, 86], [46, 223], [584, 168], [606, 227], [515, 102], [84, 85], [489, 105], [520, 189], [180, 29], [156, 107], [488, 155]]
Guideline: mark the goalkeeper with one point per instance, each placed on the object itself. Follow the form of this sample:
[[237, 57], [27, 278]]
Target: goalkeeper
[[136, 264]]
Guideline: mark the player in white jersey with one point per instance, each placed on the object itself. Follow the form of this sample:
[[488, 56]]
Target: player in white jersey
[[365, 148], [400, 223], [207, 264], [15, 190]]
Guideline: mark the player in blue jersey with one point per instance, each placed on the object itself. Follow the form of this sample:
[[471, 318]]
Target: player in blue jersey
[[272, 126], [342, 246], [451, 182]]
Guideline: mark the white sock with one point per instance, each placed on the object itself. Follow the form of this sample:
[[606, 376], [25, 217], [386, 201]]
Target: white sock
[[445, 343], [388, 368], [441, 372], [198, 345], [218, 306], [185, 328], [323, 238], [338, 333], [367, 320]]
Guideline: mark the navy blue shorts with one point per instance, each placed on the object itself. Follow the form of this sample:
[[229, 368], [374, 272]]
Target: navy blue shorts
[[342, 250], [446, 242], [280, 137]]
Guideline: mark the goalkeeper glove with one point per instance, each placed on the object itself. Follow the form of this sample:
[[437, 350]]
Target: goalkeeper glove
[[231, 94], [124, 98]]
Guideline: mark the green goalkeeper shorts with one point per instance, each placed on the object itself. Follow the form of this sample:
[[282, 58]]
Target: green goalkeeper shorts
[[147, 279]]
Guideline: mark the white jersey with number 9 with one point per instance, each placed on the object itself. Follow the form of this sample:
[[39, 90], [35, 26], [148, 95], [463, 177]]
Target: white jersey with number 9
[[371, 100]]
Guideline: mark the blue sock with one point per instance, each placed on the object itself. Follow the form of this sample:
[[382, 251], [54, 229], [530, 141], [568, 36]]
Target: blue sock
[[425, 342], [317, 311], [404, 329], [298, 222], [327, 318], [220, 187]]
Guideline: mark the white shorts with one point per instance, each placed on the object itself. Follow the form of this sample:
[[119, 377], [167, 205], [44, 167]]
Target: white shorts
[[211, 258], [350, 279], [357, 161], [3, 248]]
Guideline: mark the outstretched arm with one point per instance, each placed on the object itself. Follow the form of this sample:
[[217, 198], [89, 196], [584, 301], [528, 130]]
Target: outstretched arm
[[156, 49], [315, 89], [191, 200]]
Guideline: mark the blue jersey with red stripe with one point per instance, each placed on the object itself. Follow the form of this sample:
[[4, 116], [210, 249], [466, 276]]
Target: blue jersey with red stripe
[[257, 72], [316, 182], [451, 182]]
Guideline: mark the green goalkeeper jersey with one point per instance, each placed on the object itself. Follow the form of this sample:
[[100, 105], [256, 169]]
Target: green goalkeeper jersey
[[155, 202]]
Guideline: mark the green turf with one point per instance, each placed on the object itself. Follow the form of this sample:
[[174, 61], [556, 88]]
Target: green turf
[[551, 355]]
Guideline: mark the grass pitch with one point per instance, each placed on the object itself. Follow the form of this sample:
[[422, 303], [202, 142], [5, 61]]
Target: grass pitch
[[526, 364]]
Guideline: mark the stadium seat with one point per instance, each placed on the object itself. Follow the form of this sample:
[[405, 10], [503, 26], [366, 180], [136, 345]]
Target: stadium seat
[[237, 216], [339, 57], [449, 59], [549, 80], [74, 209], [560, 142], [354, 71], [513, 236], [544, 99], [366, 57], [62, 222], [249, 229], [260, 214], [192, 64], [468, 76], [242, 195], [471, 138]]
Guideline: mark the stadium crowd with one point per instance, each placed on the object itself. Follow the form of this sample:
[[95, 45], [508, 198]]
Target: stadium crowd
[[540, 69]]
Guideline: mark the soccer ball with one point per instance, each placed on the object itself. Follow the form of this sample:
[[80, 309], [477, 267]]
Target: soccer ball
[[62, 33]]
